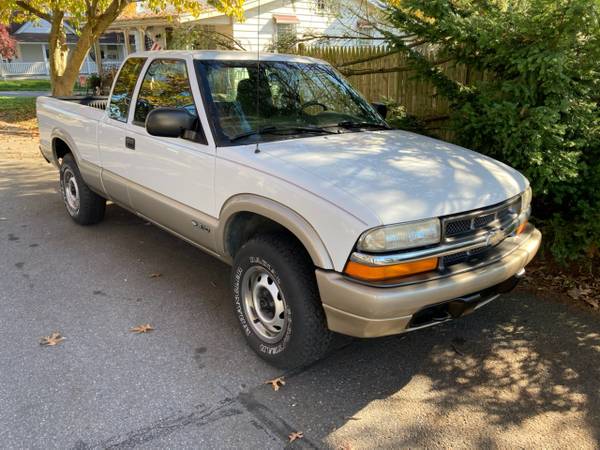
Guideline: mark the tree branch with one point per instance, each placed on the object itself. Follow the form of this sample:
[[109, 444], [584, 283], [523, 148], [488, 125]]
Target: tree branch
[[369, 71], [313, 37], [36, 12], [379, 55], [93, 28]]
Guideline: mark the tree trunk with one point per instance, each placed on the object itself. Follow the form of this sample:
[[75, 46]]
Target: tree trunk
[[65, 63], [58, 55]]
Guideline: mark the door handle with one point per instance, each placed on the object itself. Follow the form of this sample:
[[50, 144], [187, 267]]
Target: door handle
[[130, 142]]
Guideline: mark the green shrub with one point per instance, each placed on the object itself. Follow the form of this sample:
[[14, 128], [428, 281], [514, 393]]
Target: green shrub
[[536, 105], [397, 117]]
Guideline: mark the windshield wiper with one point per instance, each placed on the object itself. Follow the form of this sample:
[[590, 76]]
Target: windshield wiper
[[353, 124], [275, 130]]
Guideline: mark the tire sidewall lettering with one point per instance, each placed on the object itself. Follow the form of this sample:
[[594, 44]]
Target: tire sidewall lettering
[[238, 274]]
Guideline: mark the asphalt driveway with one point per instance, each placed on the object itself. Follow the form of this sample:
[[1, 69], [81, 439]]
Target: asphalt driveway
[[522, 372]]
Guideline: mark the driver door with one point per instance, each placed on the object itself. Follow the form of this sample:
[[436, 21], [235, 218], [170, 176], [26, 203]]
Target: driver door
[[172, 179]]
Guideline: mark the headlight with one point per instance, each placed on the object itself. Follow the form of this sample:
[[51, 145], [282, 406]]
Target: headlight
[[401, 236], [526, 199]]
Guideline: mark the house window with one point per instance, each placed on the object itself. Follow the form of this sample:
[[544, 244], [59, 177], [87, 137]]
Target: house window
[[285, 36], [320, 4], [365, 29]]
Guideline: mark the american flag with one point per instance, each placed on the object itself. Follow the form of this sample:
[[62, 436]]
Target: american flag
[[155, 46]]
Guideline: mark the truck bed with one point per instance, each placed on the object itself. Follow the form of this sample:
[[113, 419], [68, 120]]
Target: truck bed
[[95, 101], [76, 117]]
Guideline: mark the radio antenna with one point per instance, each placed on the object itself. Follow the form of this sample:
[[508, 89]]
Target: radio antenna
[[257, 150]]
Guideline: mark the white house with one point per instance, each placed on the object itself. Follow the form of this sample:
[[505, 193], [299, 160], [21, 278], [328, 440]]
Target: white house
[[32, 53], [266, 21]]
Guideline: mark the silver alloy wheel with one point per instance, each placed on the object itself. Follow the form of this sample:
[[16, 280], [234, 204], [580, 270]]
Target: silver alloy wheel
[[70, 191], [264, 304]]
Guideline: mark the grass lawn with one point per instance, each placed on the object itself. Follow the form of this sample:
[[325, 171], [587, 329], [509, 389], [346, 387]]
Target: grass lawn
[[25, 85], [17, 109], [31, 85]]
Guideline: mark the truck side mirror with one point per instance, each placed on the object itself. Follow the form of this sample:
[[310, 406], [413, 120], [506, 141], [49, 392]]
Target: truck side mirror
[[169, 122], [381, 109]]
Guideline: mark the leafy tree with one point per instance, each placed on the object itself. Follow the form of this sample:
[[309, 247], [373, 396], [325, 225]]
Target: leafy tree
[[533, 97], [7, 44], [90, 18], [197, 37]]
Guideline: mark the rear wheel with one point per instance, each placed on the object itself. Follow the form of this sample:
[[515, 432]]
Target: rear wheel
[[276, 301], [83, 205]]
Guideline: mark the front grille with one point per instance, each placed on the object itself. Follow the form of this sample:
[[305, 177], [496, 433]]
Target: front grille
[[461, 257], [458, 226], [467, 226]]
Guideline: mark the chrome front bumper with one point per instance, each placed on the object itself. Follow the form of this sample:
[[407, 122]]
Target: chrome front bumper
[[361, 310]]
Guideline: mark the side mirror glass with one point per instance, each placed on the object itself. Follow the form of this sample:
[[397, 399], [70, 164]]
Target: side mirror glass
[[169, 122]]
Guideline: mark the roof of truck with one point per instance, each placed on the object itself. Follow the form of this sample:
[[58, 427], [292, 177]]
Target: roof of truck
[[227, 55]]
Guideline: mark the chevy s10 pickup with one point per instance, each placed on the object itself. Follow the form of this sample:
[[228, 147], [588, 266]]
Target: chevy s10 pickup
[[332, 221]]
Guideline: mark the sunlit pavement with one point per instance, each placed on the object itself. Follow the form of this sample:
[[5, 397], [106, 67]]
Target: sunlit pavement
[[522, 372]]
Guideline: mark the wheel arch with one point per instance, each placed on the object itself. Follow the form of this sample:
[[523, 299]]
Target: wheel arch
[[62, 143], [240, 209]]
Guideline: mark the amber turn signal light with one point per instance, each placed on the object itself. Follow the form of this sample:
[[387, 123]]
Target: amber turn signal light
[[379, 273], [521, 228]]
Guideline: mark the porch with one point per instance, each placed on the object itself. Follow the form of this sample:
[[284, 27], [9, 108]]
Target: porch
[[41, 69]]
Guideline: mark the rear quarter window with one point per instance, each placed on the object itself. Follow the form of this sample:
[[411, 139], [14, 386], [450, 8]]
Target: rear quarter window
[[120, 99]]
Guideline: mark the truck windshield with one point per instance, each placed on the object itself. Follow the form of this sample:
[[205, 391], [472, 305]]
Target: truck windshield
[[271, 100]]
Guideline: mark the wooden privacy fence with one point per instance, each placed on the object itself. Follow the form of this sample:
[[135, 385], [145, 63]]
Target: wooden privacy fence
[[381, 80]]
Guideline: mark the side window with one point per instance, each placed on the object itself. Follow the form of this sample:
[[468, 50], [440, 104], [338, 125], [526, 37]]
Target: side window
[[165, 84], [120, 98]]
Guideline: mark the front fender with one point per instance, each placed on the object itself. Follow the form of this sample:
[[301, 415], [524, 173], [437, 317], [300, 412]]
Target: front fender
[[279, 213]]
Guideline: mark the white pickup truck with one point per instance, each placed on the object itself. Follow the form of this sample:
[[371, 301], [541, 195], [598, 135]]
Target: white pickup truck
[[332, 221]]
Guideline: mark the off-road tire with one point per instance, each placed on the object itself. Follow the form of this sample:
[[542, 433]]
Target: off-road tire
[[306, 337], [91, 206]]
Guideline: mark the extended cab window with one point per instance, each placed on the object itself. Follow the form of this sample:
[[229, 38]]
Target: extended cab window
[[123, 90], [165, 84]]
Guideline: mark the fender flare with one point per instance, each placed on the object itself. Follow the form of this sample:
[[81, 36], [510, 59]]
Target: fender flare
[[59, 133], [279, 213]]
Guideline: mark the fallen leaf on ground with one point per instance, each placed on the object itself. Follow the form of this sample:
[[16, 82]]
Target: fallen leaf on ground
[[276, 383], [142, 328], [52, 340], [295, 435], [155, 275], [592, 301]]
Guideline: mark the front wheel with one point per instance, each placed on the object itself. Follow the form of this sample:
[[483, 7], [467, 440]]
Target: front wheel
[[276, 301], [83, 205]]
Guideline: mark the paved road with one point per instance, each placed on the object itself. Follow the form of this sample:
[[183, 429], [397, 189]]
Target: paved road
[[523, 372]]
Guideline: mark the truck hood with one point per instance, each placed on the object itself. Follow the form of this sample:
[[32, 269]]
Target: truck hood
[[401, 176]]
